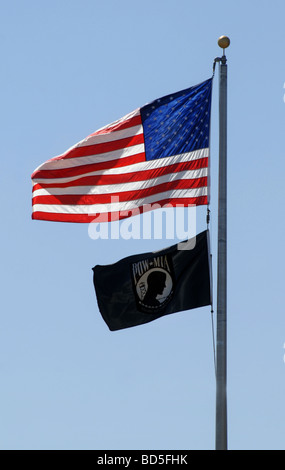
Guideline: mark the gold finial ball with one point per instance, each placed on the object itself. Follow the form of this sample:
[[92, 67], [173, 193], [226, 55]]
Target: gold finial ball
[[224, 42]]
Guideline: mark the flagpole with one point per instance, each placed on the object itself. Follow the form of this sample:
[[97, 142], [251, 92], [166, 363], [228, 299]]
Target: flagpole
[[221, 347]]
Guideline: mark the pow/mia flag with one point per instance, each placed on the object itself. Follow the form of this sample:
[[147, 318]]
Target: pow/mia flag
[[142, 288]]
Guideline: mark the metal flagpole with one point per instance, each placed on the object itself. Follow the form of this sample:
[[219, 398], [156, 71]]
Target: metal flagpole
[[221, 347]]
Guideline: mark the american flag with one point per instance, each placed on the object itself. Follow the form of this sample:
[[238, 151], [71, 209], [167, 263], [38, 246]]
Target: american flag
[[155, 156]]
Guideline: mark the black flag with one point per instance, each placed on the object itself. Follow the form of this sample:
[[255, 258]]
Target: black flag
[[144, 287]]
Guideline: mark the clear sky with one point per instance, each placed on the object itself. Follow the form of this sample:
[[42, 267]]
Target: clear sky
[[67, 382]]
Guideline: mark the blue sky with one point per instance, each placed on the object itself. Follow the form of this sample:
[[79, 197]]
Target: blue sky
[[67, 69]]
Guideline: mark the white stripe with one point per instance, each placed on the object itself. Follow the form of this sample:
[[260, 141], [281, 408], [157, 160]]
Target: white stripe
[[142, 166], [108, 128], [91, 159], [118, 188], [95, 139], [119, 206], [103, 131]]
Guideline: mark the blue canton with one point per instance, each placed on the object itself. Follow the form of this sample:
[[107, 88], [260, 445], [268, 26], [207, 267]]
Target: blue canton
[[178, 123]]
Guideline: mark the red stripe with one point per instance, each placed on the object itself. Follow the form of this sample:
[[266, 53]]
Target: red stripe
[[126, 124], [103, 147], [96, 180], [107, 217], [83, 169], [88, 150], [81, 199]]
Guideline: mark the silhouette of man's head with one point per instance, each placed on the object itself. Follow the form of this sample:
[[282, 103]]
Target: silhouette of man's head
[[156, 285], [156, 282]]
